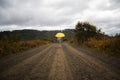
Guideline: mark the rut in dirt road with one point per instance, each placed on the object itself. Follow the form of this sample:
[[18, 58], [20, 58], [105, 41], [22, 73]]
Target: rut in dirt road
[[86, 67], [50, 62], [60, 69]]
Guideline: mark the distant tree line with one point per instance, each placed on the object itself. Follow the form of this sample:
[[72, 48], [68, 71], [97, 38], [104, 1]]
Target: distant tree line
[[35, 34], [88, 35], [84, 34], [20, 40]]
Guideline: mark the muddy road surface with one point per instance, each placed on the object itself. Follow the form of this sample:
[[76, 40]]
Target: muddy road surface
[[53, 62]]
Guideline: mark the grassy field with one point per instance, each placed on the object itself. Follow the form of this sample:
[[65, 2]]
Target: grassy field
[[110, 46], [7, 47]]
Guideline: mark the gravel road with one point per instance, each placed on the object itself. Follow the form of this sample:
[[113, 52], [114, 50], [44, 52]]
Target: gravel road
[[65, 62]]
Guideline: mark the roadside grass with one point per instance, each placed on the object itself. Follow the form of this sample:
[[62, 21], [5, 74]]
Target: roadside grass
[[110, 46], [7, 47]]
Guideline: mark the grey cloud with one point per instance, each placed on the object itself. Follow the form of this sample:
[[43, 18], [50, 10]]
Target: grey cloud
[[55, 13], [4, 3], [115, 4], [29, 15]]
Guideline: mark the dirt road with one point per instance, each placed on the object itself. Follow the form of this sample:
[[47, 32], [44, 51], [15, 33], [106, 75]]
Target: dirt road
[[50, 62]]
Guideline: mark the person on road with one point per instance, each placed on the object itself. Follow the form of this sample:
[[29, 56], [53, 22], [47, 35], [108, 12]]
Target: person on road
[[59, 37], [59, 41]]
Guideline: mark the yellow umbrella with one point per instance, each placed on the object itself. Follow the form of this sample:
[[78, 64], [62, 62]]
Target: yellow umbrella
[[60, 35]]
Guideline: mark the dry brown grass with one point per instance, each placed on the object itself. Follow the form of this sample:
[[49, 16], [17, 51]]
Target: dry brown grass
[[7, 47], [107, 45]]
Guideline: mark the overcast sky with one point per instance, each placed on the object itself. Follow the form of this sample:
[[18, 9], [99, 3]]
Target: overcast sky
[[59, 14]]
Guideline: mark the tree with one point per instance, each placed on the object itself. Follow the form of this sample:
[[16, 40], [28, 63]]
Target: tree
[[84, 31]]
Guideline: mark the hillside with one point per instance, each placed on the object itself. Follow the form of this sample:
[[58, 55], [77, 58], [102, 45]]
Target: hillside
[[35, 34]]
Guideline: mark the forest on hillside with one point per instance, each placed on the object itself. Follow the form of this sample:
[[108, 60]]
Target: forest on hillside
[[85, 35], [35, 34], [20, 40]]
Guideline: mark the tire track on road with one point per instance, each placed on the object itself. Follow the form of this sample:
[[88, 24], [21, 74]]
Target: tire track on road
[[18, 71], [59, 63], [42, 69], [14, 59], [88, 66], [60, 69]]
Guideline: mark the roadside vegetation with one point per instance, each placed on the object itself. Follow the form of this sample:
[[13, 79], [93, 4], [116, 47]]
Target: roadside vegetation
[[14, 44], [87, 35], [19, 40]]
